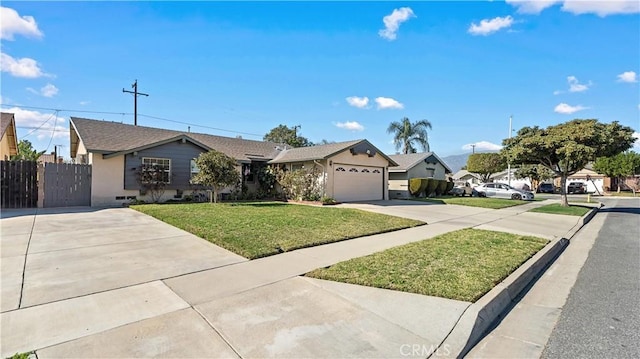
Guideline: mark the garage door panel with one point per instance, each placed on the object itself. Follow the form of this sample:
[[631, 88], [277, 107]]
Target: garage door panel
[[358, 183]]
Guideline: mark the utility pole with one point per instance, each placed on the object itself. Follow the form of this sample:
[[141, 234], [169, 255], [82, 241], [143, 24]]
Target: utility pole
[[509, 155], [135, 100], [473, 148]]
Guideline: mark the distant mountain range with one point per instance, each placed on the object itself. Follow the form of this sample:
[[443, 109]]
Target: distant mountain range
[[456, 162]]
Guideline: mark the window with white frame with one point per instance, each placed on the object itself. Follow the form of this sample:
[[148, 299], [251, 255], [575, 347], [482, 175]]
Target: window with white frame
[[194, 167], [156, 170]]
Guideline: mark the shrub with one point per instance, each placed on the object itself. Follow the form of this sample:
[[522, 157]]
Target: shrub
[[450, 185], [431, 186], [415, 186], [301, 185], [328, 200], [440, 187]]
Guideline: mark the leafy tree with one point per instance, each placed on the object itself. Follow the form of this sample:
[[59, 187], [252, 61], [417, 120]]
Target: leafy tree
[[620, 166], [406, 134], [284, 134], [536, 173], [216, 170], [26, 152], [567, 147], [485, 164]]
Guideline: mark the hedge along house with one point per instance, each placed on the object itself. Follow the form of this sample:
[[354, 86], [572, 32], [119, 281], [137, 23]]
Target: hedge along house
[[349, 171], [119, 152], [414, 165]]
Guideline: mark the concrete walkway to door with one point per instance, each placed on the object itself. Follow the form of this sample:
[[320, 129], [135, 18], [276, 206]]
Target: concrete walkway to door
[[117, 283]]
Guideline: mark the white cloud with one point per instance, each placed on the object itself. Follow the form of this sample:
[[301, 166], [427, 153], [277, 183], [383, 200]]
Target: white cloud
[[487, 26], [392, 22], [531, 6], [565, 109], [636, 145], [557, 92], [49, 90], [350, 125], [42, 124], [388, 103], [628, 76], [84, 103], [576, 86], [24, 67], [482, 145], [359, 102], [601, 8], [11, 23]]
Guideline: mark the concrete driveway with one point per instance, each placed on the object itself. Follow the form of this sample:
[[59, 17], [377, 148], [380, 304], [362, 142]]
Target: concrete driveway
[[116, 283]]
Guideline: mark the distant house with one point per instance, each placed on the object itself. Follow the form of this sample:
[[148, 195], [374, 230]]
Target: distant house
[[352, 171], [466, 176], [503, 177], [594, 182], [9, 140], [414, 165], [49, 158]]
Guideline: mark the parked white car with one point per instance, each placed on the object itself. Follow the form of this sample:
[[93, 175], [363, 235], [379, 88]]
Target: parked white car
[[501, 190]]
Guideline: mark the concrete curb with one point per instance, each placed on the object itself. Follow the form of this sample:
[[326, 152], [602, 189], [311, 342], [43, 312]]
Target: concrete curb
[[479, 316]]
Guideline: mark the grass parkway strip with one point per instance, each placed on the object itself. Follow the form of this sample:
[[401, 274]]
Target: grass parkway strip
[[260, 229], [556, 208], [461, 265], [483, 202]]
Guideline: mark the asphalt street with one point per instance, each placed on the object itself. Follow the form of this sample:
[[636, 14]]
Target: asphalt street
[[601, 318]]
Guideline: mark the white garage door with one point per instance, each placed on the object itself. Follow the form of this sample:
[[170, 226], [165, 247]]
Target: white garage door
[[357, 183]]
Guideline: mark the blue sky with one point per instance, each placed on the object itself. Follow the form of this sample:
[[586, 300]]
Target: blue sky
[[340, 70]]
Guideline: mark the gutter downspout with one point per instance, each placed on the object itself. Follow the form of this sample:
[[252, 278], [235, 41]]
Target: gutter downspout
[[324, 178]]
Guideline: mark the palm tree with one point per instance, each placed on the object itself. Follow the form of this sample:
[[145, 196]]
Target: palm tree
[[405, 134]]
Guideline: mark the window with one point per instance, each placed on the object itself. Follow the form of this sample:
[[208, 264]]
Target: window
[[194, 167], [156, 170], [340, 169], [353, 170], [248, 171]]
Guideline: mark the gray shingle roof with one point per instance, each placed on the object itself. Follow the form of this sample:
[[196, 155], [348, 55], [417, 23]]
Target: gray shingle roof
[[5, 121], [320, 152], [112, 137], [407, 161]]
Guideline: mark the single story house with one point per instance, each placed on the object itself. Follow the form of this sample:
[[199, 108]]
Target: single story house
[[594, 182], [118, 152], [9, 139], [519, 183], [414, 165], [465, 176]]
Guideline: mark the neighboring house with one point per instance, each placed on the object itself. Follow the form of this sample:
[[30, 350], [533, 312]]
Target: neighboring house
[[594, 181], [351, 171], [9, 140], [414, 165], [519, 183], [118, 152], [465, 176], [49, 158]]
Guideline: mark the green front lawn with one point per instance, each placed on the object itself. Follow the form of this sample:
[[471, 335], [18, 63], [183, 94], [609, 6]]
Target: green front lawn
[[260, 229], [462, 265], [556, 208], [484, 202]]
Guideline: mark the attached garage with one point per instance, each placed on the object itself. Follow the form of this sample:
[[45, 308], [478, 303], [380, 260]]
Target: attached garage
[[352, 171], [358, 183]]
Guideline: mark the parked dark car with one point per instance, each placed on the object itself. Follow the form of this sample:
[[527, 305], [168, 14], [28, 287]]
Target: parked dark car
[[545, 188], [576, 188]]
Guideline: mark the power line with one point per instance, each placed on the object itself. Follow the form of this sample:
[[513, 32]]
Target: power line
[[130, 113], [55, 124], [39, 127]]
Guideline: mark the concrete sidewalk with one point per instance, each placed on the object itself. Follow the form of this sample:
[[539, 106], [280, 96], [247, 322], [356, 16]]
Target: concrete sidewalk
[[219, 299]]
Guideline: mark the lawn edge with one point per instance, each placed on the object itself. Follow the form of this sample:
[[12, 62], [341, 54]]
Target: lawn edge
[[479, 316]]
